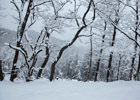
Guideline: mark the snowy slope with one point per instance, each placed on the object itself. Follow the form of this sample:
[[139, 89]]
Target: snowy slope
[[69, 90]]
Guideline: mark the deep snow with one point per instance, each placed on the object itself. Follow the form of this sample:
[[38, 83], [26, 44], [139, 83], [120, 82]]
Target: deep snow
[[69, 90]]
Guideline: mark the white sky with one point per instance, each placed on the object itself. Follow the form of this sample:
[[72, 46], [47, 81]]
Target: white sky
[[8, 22]]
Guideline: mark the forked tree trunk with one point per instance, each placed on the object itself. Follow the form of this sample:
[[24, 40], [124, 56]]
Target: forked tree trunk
[[20, 33], [30, 70]]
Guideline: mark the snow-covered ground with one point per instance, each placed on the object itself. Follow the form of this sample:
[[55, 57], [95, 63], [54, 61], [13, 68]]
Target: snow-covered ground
[[69, 90]]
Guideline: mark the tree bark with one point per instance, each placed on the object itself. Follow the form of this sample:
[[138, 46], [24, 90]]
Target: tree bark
[[90, 60], [111, 54], [1, 73], [44, 63], [13, 72], [118, 78], [136, 36], [61, 52], [138, 70], [109, 66], [101, 50], [73, 40], [20, 33]]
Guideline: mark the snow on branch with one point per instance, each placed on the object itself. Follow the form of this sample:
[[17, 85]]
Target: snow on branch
[[40, 4], [18, 10], [22, 52], [28, 40], [114, 24]]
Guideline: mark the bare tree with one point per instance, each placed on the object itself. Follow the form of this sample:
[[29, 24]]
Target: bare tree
[[113, 41], [135, 29], [101, 50], [20, 32], [23, 17], [71, 43], [136, 10], [90, 57], [47, 53]]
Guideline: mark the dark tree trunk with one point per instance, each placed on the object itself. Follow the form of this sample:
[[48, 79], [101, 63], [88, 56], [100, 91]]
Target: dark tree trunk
[[133, 58], [132, 67], [109, 66], [30, 70], [138, 70], [73, 40], [136, 36], [90, 59], [44, 63], [101, 50], [14, 72], [20, 33], [117, 18], [111, 54], [119, 67], [1, 73], [53, 70], [61, 52]]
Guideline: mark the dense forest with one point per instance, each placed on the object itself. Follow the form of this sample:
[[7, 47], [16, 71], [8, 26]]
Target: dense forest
[[111, 52]]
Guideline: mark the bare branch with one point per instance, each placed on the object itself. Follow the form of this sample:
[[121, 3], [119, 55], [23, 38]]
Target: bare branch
[[127, 5], [18, 10], [85, 14], [75, 11], [123, 31], [37, 5], [94, 9], [63, 4], [26, 37], [86, 35], [22, 52], [114, 24], [55, 12]]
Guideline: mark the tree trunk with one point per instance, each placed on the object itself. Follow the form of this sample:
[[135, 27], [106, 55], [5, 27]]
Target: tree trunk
[[44, 63], [73, 40], [14, 72], [111, 55], [132, 67], [136, 36], [109, 66], [20, 33], [138, 70], [133, 58], [118, 78], [90, 60], [61, 52], [1, 73], [30, 70], [53, 70], [101, 50]]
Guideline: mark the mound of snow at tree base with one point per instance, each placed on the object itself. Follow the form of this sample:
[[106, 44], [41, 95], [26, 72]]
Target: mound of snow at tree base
[[69, 90]]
